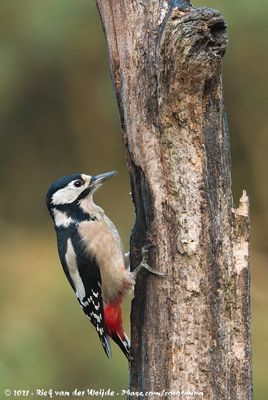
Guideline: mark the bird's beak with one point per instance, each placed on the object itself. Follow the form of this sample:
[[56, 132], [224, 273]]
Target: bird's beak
[[97, 180]]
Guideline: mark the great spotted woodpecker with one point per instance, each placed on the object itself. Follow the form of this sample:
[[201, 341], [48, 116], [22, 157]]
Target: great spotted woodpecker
[[92, 255]]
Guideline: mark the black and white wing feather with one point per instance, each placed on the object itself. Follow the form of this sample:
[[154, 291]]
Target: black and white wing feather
[[92, 303], [84, 276]]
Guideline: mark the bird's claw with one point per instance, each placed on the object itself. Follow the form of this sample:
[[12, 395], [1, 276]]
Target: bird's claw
[[145, 252], [144, 262]]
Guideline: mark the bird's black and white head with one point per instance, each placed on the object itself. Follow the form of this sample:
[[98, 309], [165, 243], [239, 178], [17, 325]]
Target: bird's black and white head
[[67, 197]]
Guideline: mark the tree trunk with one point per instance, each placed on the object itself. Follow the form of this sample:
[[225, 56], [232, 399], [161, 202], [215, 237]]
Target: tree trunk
[[190, 330]]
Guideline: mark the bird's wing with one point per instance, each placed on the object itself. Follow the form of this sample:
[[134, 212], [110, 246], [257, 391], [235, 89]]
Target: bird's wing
[[91, 300], [86, 278]]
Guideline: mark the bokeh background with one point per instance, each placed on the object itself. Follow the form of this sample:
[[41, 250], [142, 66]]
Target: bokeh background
[[58, 115]]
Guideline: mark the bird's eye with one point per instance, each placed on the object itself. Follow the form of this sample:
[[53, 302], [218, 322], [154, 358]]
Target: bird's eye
[[78, 183]]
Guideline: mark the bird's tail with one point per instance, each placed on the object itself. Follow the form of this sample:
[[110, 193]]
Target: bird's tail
[[114, 327], [106, 345], [124, 344]]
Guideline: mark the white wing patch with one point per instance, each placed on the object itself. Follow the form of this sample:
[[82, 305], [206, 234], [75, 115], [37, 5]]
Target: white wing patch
[[61, 219], [74, 273], [79, 287]]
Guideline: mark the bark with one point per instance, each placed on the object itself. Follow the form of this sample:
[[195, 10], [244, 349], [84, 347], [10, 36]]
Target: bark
[[191, 330]]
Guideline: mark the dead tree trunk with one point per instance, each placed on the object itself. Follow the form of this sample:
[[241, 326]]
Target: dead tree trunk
[[190, 331]]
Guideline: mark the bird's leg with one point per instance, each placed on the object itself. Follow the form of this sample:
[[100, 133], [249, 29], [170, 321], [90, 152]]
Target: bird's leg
[[127, 261], [144, 264]]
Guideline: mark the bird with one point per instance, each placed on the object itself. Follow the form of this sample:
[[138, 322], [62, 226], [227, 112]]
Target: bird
[[92, 255]]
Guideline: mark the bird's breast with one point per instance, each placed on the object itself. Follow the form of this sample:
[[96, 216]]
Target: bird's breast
[[103, 243]]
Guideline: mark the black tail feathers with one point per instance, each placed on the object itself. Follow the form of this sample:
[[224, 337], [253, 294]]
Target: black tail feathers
[[124, 344]]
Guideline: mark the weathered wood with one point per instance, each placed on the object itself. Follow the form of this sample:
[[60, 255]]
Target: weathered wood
[[190, 331]]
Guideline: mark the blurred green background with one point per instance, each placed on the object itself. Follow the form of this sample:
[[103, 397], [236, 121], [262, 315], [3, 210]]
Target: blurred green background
[[58, 115]]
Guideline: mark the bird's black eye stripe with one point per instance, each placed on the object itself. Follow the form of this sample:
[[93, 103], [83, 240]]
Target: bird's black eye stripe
[[79, 183]]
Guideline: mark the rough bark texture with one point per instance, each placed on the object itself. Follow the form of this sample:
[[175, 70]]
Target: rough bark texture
[[190, 330]]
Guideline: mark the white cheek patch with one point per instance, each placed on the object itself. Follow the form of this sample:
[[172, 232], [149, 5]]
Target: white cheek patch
[[61, 219], [67, 194]]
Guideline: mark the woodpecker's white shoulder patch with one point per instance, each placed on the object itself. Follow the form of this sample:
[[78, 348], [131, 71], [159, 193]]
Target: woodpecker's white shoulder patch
[[61, 219], [73, 271]]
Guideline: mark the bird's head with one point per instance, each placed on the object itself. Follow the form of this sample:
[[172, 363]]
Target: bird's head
[[66, 194]]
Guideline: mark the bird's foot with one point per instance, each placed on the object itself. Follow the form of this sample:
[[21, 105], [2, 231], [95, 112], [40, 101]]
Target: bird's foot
[[144, 263]]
